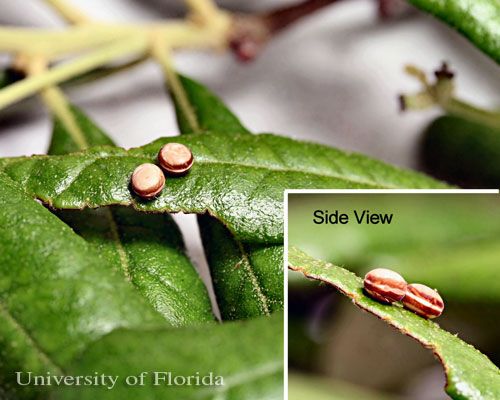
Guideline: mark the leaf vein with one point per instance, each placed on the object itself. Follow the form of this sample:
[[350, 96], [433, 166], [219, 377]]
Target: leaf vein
[[264, 301], [43, 355], [115, 235], [245, 378]]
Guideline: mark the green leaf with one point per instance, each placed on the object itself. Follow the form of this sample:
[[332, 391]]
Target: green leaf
[[56, 295], [63, 139], [247, 278], [462, 152], [246, 283], [478, 20], [247, 354], [469, 373], [199, 110], [455, 234], [148, 249], [239, 179]]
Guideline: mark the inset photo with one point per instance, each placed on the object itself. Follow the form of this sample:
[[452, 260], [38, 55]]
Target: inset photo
[[393, 294]]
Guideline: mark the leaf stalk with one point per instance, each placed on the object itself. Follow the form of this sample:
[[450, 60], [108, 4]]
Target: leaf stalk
[[70, 13]]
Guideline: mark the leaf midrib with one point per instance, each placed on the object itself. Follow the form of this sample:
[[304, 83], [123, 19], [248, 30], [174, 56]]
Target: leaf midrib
[[244, 378], [115, 236], [434, 344], [67, 118], [24, 333], [253, 279], [183, 100], [338, 176]]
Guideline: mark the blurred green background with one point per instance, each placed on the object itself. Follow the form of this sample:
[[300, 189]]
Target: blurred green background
[[450, 242]]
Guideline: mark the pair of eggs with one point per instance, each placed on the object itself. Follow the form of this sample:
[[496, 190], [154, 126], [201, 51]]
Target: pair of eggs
[[388, 286], [148, 180]]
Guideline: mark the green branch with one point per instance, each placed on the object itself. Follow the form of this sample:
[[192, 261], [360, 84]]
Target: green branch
[[70, 13], [29, 86]]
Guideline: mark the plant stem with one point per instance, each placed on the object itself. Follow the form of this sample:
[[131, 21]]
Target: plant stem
[[192, 35], [203, 9], [54, 43], [57, 103], [162, 54], [104, 72], [72, 40], [70, 13], [29, 86], [468, 111], [283, 17], [54, 98], [251, 32]]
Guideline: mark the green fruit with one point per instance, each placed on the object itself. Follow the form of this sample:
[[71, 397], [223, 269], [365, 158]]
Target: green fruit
[[462, 152]]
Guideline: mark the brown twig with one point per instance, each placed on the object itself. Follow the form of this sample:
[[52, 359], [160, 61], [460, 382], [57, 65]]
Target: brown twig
[[390, 9], [279, 19], [251, 32]]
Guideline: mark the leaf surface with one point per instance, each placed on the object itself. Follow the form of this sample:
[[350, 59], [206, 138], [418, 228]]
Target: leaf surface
[[148, 249], [462, 152], [478, 20], [63, 140], [239, 179], [431, 237], [56, 295], [247, 278], [247, 354], [198, 109], [470, 374]]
